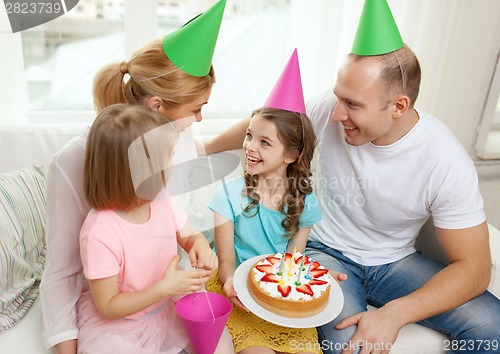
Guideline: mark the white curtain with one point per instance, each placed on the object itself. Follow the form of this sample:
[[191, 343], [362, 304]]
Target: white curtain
[[12, 86]]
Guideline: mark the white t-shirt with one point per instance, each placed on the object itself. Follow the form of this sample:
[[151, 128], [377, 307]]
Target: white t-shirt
[[63, 280], [375, 199]]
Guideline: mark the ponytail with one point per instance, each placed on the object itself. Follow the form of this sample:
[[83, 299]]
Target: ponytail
[[148, 73], [108, 87]]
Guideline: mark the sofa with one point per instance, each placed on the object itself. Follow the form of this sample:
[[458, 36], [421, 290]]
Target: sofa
[[25, 145]]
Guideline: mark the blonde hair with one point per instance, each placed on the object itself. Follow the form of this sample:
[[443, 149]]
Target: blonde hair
[[296, 133], [148, 73], [107, 178]]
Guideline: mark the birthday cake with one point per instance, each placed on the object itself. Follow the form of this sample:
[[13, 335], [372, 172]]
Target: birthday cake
[[290, 285]]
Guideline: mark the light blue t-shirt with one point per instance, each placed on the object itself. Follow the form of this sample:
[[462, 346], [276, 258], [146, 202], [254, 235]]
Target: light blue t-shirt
[[261, 233]]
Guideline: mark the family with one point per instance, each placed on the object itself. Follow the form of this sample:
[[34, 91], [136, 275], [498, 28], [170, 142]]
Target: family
[[112, 273]]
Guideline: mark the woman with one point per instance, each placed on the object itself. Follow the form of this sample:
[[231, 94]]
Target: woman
[[149, 78]]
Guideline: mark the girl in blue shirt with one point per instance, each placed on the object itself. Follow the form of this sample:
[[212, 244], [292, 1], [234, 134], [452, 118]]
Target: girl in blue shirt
[[268, 209]]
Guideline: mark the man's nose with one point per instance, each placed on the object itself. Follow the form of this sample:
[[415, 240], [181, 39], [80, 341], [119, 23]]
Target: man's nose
[[339, 114]]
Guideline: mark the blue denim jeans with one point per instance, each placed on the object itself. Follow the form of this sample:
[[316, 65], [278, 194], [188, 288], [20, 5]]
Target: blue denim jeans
[[473, 327]]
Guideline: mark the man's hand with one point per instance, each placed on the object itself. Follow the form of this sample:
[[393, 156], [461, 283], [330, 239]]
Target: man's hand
[[376, 333]]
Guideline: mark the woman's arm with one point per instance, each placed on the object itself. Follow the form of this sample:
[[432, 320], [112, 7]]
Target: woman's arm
[[62, 279], [66, 347], [230, 139]]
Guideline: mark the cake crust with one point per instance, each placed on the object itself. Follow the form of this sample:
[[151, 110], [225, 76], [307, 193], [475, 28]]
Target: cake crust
[[306, 306]]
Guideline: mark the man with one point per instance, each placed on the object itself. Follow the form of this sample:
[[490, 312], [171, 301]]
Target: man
[[383, 168]]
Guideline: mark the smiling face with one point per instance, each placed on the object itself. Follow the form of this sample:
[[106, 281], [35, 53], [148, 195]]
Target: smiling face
[[265, 154], [360, 97]]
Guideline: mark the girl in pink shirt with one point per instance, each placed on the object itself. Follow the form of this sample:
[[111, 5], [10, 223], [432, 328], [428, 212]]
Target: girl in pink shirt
[[129, 240]]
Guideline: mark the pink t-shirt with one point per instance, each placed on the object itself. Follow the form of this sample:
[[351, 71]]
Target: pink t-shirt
[[138, 253]]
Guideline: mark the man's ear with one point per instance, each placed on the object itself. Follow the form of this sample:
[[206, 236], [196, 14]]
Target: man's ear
[[401, 104], [154, 103]]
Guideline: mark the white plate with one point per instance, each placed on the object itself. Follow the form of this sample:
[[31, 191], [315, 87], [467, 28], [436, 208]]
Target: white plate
[[332, 309]]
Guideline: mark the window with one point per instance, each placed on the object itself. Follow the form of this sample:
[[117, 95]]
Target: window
[[256, 38], [61, 57]]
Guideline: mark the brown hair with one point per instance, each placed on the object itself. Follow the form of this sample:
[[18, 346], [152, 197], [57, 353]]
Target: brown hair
[[401, 74], [107, 177], [150, 73], [296, 133]]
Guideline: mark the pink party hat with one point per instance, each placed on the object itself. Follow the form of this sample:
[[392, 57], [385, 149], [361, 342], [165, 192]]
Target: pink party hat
[[287, 92]]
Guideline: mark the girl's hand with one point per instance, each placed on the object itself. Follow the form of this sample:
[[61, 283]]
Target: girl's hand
[[201, 255], [177, 282], [228, 288], [338, 276]]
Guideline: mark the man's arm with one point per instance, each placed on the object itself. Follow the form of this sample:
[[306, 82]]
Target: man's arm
[[230, 139], [470, 263]]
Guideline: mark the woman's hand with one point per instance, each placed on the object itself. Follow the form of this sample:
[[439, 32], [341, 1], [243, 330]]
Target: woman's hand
[[177, 282], [228, 288], [201, 255], [66, 347]]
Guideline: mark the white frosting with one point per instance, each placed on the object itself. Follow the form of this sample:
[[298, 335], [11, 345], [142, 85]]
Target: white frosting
[[289, 275]]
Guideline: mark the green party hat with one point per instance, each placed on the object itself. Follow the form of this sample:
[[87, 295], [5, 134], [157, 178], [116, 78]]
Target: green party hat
[[377, 31], [192, 46]]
